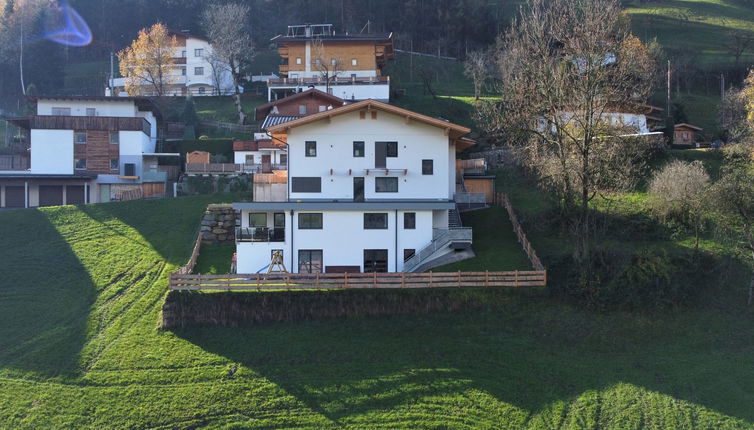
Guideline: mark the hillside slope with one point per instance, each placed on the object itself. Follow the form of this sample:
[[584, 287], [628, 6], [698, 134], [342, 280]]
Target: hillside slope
[[82, 289]]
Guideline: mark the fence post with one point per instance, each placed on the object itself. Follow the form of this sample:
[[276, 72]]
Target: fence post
[[403, 279], [345, 277], [317, 281], [430, 278], [516, 281], [459, 279], [486, 278]]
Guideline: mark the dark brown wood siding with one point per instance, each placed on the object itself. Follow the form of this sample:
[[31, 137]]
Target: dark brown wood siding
[[102, 123]]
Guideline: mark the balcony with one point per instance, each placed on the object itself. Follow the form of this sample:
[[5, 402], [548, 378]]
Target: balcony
[[14, 162], [318, 80], [260, 234], [154, 176], [103, 123]]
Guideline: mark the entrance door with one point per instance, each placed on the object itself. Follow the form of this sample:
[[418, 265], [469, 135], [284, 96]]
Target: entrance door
[[278, 224], [380, 155], [266, 164], [104, 193], [358, 189], [375, 260]]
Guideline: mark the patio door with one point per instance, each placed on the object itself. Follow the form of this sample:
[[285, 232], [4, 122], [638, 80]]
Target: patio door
[[358, 189], [310, 261], [375, 260], [266, 164]]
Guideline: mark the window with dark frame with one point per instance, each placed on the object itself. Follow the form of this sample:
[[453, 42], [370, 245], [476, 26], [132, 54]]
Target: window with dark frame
[[310, 148], [409, 220], [114, 138], [310, 221], [198, 52], [310, 261], [428, 167], [408, 253], [198, 71], [358, 149], [79, 164], [91, 112], [301, 184], [61, 111], [391, 149], [375, 221], [386, 185], [257, 219], [79, 137], [114, 164]]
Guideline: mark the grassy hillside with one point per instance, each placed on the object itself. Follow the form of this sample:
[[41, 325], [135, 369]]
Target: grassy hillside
[[79, 348]]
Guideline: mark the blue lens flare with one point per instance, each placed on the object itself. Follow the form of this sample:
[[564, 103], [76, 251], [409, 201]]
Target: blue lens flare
[[65, 26]]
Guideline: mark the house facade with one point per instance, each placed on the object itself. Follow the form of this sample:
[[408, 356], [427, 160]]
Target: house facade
[[195, 72], [370, 188], [346, 66], [83, 150]]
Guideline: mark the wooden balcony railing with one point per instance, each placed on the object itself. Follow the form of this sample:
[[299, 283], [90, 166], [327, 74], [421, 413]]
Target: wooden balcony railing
[[14, 162]]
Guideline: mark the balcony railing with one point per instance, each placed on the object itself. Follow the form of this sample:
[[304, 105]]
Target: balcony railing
[[263, 167], [318, 80], [14, 162], [260, 234], [154, 176]]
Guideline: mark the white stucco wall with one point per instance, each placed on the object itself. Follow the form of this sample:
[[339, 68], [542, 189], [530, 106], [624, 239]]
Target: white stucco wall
[[52, 152], [239, 157], [122, 108], [253, 256], [416, 141]]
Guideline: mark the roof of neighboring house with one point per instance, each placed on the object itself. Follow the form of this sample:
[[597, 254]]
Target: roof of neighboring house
[[46, 176], [265, 109], [254, 145], [273, 120], [454, 131], [186, 35], [684, 125]]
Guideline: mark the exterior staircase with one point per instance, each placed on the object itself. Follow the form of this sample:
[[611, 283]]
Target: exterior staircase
[[454, 219]]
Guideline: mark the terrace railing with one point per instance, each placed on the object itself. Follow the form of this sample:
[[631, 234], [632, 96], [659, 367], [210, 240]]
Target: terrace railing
[[260, 234], [441, 238]]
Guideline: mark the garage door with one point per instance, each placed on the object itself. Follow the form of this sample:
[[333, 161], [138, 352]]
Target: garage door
[[14, 197], [50, 195], [74, 194]]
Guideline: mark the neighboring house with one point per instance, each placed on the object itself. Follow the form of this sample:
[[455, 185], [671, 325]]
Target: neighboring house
[[83, 150], [370, 188], [296, 106], [686, 134], [354, 63], [260, 155], [196, 71]]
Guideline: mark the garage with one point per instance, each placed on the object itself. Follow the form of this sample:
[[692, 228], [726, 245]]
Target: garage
[[74, 195], [50, 195], [14, 196]]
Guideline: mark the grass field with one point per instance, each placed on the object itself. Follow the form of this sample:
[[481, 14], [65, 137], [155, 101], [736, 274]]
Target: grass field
[[80, 348]]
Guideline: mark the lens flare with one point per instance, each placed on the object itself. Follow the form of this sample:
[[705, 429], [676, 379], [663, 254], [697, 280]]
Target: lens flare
[[65, 26]]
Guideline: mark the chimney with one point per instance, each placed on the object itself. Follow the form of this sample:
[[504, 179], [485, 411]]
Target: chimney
[[308, 31]]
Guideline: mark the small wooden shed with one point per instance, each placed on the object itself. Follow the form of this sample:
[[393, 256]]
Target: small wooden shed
[[481, 184], [686, 134], [197, 157]]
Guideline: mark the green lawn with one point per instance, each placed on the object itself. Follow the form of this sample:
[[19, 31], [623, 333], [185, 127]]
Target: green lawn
[[215, 258], [83, 288], [222, 108]]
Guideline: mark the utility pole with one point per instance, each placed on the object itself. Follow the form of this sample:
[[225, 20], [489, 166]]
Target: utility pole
[[112, 74], [722, 86], [21, 59], [668, 101]]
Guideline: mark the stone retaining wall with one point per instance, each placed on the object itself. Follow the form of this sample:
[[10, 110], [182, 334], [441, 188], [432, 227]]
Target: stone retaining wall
[[219, 223]]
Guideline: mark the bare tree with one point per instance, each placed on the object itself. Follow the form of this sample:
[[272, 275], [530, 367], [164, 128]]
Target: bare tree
[[738, 43], [476, 67], [732, 116], [329, 67], [563, 66], [227, 28], [679, 191], [734, 203]]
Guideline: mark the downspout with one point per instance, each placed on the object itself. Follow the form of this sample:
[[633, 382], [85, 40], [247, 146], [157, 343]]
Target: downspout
[[292, 227], [396, 240]]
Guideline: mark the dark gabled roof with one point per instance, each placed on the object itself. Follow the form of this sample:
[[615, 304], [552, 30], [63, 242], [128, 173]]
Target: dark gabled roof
[[263, 110], [273, 120]]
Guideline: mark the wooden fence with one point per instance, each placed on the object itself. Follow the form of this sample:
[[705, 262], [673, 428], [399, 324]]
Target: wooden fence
[[187, 268], [502, 200], [340, 281]]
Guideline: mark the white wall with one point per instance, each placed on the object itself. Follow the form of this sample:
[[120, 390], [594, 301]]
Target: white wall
[[239, 157], [121, 108], [337, 224], [416, 141], [52, 152], [379, 92]]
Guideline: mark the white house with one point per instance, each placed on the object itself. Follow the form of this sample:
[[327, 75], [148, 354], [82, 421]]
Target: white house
[[196, 71], [370, 187], [82, 150]]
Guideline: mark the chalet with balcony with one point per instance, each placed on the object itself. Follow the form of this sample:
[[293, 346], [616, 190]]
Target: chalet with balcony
[[193, 73], [349, 66], [370, 187], [83, 150]]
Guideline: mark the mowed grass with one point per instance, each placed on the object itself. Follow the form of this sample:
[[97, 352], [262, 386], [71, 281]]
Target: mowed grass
[[215, 258], [82, 290]]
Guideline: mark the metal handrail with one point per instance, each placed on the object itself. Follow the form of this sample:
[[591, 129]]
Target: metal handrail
[[440, 238], [260, 234]]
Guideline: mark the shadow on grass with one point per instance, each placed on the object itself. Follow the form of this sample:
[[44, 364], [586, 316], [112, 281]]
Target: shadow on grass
[[521, 356], [46, 295]]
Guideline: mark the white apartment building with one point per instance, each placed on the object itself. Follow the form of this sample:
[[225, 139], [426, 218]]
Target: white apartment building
[[196, 73], [83, 150], [370, 188]]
